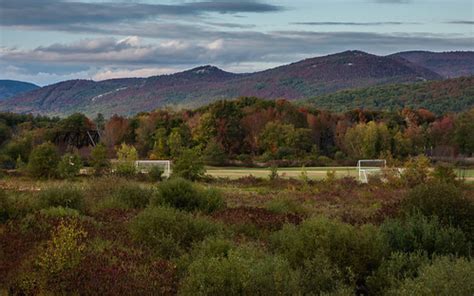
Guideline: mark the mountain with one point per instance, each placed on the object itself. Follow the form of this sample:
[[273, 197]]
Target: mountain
[[447, 64], [195, 87], [451, 95], [11, 88]]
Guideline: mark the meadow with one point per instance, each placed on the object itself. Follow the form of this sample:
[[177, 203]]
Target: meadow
[[324, 234]]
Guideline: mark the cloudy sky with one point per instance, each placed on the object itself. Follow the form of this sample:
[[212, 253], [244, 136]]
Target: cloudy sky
[[46, 41]]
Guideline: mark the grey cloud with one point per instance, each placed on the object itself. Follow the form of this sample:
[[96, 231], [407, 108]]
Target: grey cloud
[[461, 22], [227, 48], [351, 23], [60, 12], [393, 1]]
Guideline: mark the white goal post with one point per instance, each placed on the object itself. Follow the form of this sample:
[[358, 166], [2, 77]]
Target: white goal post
[[145, 165], [367, 167]]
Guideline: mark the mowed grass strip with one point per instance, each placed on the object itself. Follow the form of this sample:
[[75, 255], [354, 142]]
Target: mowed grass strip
[[312, 172]]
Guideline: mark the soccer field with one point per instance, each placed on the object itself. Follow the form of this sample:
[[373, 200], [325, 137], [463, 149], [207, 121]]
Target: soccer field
[[312, 172], [316, 173]]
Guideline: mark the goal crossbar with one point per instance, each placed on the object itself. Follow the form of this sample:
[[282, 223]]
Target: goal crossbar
[[367, 167], [142, 165]]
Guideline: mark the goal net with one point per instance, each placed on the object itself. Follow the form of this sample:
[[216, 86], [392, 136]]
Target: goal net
[[368, 167], [144, 166]]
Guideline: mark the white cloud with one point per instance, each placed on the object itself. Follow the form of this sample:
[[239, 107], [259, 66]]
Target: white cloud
[[127, 73]]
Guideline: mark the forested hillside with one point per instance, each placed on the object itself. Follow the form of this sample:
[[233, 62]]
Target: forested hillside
[[452, 95]]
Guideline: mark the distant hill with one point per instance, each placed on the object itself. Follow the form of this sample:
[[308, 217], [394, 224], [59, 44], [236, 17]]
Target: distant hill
[[11, 88], [452, 95], [195, 87], [447, 64]]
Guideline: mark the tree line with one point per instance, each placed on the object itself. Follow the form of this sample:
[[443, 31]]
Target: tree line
[[247, 131]]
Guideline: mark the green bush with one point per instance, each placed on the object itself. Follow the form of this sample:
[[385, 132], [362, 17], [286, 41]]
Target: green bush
[[420, 233], [444, 276], [62, 196], [393, 271], [444, 173], [69, 166], [184, 195], [171, 232], [4, 207], [285, 205], [355, 251], [43, 161], [444, 200], [155, 174], [133, 196], [59, 212], [189, 165], [242, 271]]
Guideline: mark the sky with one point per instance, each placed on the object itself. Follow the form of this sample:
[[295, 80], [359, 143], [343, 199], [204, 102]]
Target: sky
[[47, 41]]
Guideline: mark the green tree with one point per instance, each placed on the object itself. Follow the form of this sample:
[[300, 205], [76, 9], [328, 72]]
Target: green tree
[[464, 132], [160, 147], [43, 161], [189, 165], [70, 165], [99, 160], [214, 154], [127, 155], [175, 142]]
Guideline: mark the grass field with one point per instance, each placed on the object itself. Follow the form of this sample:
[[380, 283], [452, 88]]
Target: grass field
[[316, 173]]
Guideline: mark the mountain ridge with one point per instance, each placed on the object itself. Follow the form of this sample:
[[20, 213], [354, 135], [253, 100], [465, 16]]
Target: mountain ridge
[[201, 85]]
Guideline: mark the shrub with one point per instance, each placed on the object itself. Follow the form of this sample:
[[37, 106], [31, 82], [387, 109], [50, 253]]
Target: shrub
[[273, 172], [394, 270], [189, 165], [356, 251], [444, 173], [242, 271], [446, 201], [170, 232], [4, 207], [43, 161], [285, 205], [416, 171], [444, 276], [69, 166], [62, 196], [59, 212], [63, 251], [420, 233], [127, 155], [99, 160], [184, 195], [155, 174], [133, 196]]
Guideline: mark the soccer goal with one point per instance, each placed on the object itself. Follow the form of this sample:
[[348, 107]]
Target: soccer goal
[[144, 166], [367, 167]]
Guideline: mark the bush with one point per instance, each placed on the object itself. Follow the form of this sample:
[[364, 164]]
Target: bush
[[355, 251], [69, 166], [62, 196], [155, 174], [420, 233], [170, 232], [189, 165], [444, 276], [4, 207], [242, 271], [59, 212], [444, 173], [393, 271], [133, 196], [43, 161], [446, 201], [99, 160], [416, 171], [285, 205], [63, 251], [184, 195]]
